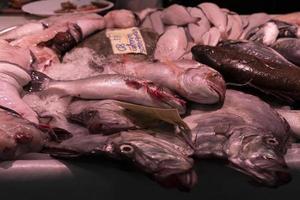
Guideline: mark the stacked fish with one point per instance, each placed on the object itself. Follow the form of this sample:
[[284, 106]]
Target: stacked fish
[[159, 115]]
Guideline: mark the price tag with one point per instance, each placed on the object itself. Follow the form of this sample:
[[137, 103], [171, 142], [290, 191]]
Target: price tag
[[127, 40]]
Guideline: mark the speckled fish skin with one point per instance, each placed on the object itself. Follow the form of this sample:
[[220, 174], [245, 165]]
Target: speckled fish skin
[[111, 86], [246, 70], [289, 48], [163, 156], [260, 51], [18, 136], [247, 132]]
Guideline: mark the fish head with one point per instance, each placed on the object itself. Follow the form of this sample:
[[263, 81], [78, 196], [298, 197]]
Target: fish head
[[204, 85], [259, 154], [208, 55], [169, 165]]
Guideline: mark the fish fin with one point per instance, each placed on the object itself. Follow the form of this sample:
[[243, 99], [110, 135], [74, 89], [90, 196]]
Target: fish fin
[[39, 82]]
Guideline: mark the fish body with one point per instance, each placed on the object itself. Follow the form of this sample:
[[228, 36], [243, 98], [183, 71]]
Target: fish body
[[246, 70], [189, 79], [248, 133], [162, 156], [111, 86], [289, 48], [18, 136]]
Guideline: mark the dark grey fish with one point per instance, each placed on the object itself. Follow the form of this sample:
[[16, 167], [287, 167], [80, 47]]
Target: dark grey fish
[[260, 51], [289, 48], [164, 157], [287, 29], [104, 117], [245, 70], [248, 133]]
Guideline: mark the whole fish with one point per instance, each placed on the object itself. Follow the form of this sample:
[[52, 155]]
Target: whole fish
[[106, 86], [18, 136], [258, 50], [289, 48], [246, 70], [14, 65], [248, 133], [162, 156], [104, 116], [189, 79]]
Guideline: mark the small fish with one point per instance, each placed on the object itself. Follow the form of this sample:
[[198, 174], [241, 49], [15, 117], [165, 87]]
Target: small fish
[[248, 133], [289, 48], [164, 157], [245, 70], [18, 136], [106, 86]]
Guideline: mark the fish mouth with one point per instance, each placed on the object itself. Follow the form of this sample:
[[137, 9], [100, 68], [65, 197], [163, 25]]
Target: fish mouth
[[218, 85], [272, 172], [183, 181]]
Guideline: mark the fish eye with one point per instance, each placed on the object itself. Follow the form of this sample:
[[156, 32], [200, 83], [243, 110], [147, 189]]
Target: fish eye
[[126, 149], [271, 141]]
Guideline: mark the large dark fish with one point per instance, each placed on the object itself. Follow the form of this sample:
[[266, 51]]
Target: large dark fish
[[247, 132], [18, 136], [289, 48], [164, 157], [258, 50], [106, 86], [246, 70]]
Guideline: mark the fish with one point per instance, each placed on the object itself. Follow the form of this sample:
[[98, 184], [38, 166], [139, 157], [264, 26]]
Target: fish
[[18, 136], [14, 74], [266, 33], [176, 15], [287, 29], [215, 15], [49, 45], [121, 19], [260, 51], [245, 70], [110, 86], [171, 45], [292, 158], [105, 117], [292, 18], [164, 157], [190, 79], [252, 21], [293, 118], [246, 132], [289, 48]]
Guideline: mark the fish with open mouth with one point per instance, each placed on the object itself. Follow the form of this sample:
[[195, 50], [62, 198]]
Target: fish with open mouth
[[189, 79], [163, 156], [110, 86], [245, 131], [245, 70], [18, 136]]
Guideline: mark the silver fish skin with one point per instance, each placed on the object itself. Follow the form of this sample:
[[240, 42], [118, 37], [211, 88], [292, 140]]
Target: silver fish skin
[[189, 79], [292, 157], [110, 86], [289, 48], [105, 117], [18, 136], [162, 156], [248, 133]]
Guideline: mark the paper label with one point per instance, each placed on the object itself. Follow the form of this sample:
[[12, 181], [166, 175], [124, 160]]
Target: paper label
[[127, 40]]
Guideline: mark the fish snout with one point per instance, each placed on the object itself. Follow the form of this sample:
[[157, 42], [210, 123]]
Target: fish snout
[[274, 171], [204, 85]]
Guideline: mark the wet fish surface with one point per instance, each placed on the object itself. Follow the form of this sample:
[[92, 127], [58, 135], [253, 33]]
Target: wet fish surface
[[289, 48], [246, 70], [247, 132]]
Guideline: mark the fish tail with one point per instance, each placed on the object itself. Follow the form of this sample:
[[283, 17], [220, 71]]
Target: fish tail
[[39, 82]]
